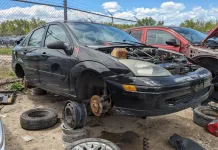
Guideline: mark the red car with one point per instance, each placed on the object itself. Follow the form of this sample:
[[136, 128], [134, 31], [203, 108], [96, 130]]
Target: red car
[[195, 45]]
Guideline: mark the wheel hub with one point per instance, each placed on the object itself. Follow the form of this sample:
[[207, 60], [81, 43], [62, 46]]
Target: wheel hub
[[100, 105]]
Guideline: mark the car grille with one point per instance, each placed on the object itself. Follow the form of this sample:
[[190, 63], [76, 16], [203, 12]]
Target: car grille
[[187, 98]]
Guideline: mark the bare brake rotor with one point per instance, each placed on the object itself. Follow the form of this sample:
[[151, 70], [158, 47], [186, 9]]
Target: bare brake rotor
[[100, 105]]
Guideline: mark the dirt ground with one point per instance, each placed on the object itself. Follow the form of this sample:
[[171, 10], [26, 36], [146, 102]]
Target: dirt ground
[[126, 132]]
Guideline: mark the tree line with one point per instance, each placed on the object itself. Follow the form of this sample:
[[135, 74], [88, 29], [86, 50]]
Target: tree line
[[23, 27], [19, 26], [202, 26]]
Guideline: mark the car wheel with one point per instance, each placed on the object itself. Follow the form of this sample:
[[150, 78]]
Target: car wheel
[[39, 118], [203, 115], [92, 144], [38, 91], [74, 115]]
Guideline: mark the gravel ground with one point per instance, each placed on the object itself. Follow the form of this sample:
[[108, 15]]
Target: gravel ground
[[126, 132]]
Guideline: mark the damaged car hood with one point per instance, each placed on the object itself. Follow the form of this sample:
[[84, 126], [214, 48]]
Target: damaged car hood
[[213, 33]]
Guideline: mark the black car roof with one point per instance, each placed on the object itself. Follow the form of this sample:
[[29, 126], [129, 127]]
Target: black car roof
[[63, 22]]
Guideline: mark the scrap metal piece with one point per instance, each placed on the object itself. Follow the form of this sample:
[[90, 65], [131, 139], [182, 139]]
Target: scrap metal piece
[[145, 144], [213, 105], [7, 97]]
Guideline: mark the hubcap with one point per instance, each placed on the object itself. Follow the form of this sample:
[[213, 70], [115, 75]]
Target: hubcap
[[92, 146]]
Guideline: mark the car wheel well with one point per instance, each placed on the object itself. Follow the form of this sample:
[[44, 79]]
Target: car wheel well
[[210, 64], [19, 71], [88, 84]]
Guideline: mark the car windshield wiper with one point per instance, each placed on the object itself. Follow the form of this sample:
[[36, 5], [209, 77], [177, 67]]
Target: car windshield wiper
[[140, 43], [120, 43]]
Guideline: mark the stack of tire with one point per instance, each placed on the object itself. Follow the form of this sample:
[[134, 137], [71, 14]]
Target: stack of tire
[[203, 115], [74, 118]]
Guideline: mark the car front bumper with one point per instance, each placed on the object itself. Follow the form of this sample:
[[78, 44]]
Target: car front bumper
[[158, 96]]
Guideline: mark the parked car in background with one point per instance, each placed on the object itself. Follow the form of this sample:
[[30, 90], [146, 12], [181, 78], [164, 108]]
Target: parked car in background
[[193, 44], [106, 66]]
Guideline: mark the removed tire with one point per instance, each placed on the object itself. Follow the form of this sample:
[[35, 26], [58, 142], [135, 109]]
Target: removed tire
[[92, 144], [74, 115], [39, 118], [204, 115], [74, 135], [38, 91]]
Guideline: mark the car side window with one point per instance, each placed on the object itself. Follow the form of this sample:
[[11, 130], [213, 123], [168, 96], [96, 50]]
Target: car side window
[[136, 34], [25, 42], [56, 33], [36, 38], [158, 37]]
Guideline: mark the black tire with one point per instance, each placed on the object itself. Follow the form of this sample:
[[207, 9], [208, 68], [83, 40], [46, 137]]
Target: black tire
[[74, 135], [38, 91], [203, 115], [89, 140], [74, 115], [36, 119]]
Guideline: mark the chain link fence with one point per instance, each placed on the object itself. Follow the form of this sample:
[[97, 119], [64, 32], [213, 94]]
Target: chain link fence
[[19, 17]]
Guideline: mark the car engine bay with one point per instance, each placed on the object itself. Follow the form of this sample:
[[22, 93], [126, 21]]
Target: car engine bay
[[175, 63]]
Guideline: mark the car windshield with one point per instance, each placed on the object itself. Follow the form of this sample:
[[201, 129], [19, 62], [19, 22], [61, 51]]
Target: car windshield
[[193, 36], [99, 34]]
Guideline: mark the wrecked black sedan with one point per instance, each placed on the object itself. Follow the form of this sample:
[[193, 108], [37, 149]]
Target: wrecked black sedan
[[103, 66]]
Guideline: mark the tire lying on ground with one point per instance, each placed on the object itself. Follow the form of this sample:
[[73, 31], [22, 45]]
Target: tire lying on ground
[[74, 135], [38, 91], [39, 118], [204, 115], [92, 144]]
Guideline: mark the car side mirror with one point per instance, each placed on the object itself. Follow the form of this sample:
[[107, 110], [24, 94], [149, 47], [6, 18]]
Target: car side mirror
[[172, 42], [61, 45]]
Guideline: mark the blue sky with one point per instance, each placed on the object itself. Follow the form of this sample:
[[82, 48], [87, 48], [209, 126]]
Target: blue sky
[[172, 12]]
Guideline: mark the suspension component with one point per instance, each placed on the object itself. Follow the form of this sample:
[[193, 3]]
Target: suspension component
[[100, 105]]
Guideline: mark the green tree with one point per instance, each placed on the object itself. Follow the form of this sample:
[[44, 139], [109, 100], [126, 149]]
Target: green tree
[[19, 26], [199, 25]]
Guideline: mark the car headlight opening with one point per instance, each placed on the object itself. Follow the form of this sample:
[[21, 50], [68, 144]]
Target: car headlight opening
[[142, 68]]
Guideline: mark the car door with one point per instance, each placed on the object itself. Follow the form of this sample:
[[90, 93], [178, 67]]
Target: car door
[[158, 38], [30, 54], [137, 33], [54, 64]]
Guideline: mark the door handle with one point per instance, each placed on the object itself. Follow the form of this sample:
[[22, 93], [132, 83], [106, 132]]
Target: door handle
[[43, 53], [25, 52]]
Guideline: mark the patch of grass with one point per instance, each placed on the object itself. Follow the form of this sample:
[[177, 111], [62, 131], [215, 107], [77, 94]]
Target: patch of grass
[[11, 74], [17, 86], [5, 72], [5, 51]]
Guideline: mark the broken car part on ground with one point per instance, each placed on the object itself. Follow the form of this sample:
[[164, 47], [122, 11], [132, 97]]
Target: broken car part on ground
[[85, 60], [181, 143]]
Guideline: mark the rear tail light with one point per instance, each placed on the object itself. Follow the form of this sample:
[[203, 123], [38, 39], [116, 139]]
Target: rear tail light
[[213, 127]]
